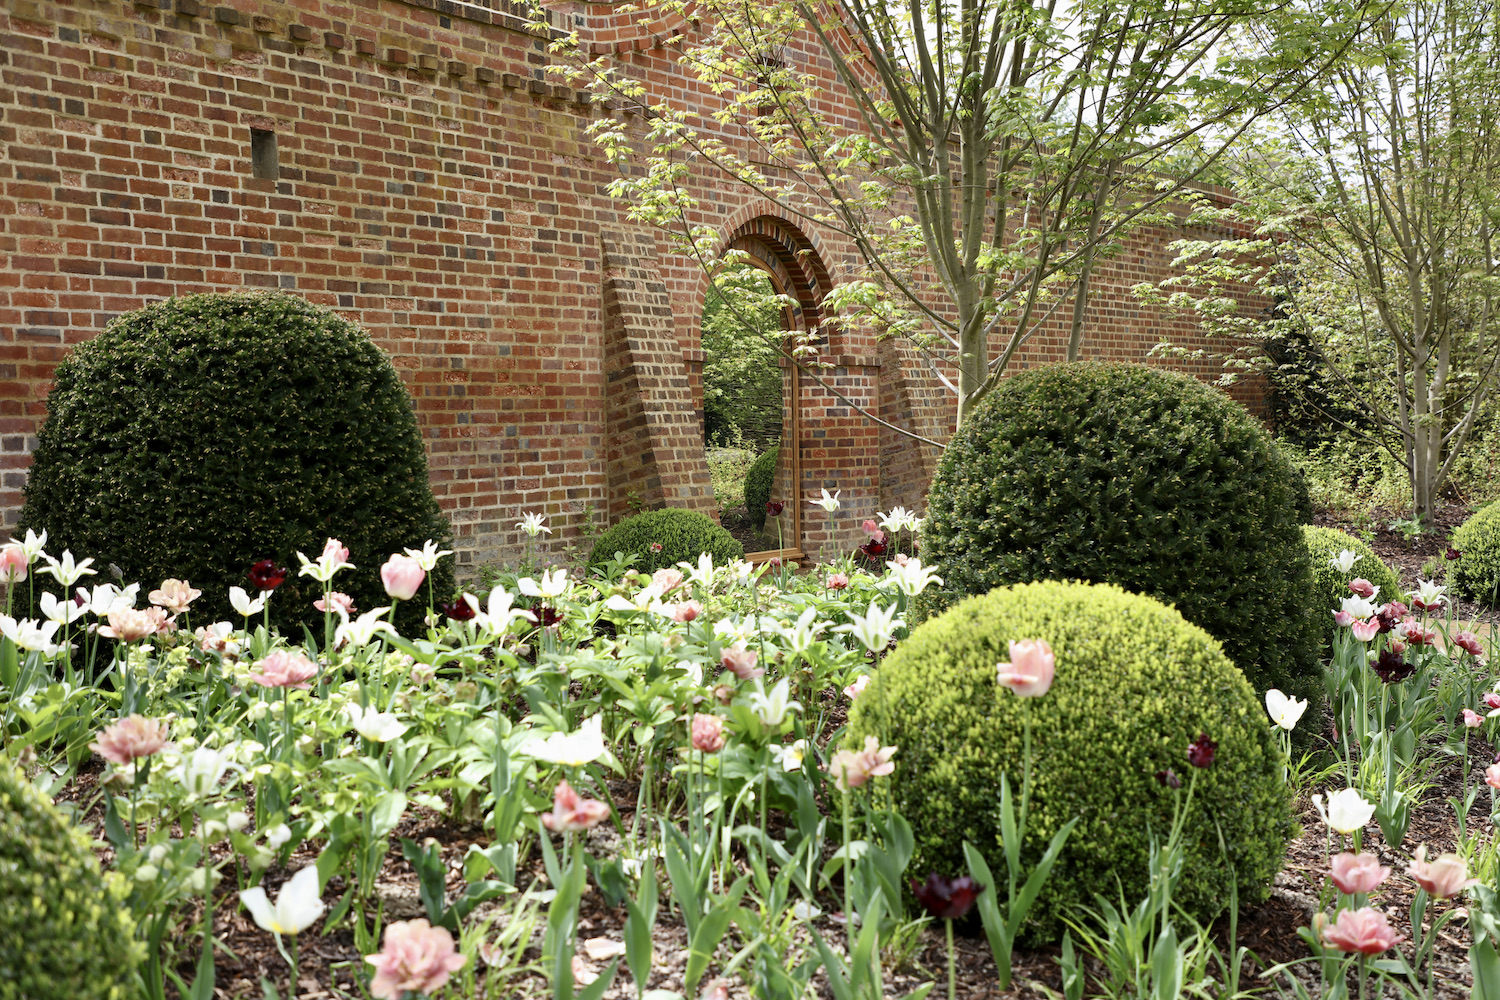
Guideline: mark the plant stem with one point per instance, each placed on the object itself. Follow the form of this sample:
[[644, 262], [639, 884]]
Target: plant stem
[[952, 987], [848, 909]]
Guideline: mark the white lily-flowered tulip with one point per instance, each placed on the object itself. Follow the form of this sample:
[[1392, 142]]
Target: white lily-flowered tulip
[[910, 577], [1358, 607], [644, 601], [772, 706], [1344, 561], [874, 628], [362, 630], [200, 772], [533, 524], [30, 634], [802, 634], [106, 597], [65, 571], [497, 615], [33, 545], [295, 909], [428, 556], [373, 724], [241, 602], [828, 503], [584, 746], [1284, 709], [553, 585], [63, 612]]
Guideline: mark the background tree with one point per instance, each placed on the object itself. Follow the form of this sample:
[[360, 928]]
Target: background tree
[[1378, 198], [998, 147], [742, 334]]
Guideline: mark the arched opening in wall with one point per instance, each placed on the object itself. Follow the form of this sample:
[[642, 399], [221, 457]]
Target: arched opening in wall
[[748, 409], [768, 296]]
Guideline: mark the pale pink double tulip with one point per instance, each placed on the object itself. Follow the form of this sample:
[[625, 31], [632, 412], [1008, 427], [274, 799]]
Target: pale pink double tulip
[[1356, 873], [740, 662], [667, 579], [402, 575], [1446, 875], [282, 669], [175, 595], [1472, 719], [336, 601], [686, 611], [13, 563], [128, 625], [852, 768], [132, 737], [572, 812], [415, 958], [1365, 930], [1030, 670], [708, 733]]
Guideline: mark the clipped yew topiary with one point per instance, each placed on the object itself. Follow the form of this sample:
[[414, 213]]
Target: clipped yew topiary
[[1135, 684], [682, 535], [199, 435], [758, 483], [63, 934], [1330, 585], [1120, 473], [1476, 573]]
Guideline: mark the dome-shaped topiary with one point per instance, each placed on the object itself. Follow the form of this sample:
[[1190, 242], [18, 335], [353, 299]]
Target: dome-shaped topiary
[[1476, 573], [199, 435], [63, 934], [1330, 585], [758, 483], [682, 535], [1135, 684], [1120, 473]]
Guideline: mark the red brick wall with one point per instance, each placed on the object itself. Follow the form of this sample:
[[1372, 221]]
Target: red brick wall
[[436, 187]]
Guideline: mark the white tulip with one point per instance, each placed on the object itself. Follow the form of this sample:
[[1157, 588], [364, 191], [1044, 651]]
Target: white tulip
[[65, 571], [911, 578], [553, 585], [295, 909], [428, 555], [1358, 607], [63, 612], [33, 545], [1344, 561], [201, 771], [373, 724], [828, 503], [1346, 812], [497, 615], [1284, 710], [241, 602], [771, 707], [874, 628], [362, 630], [584, 746], [533, 524]]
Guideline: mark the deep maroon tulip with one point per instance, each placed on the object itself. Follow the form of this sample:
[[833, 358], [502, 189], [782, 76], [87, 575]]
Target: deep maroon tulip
[[874, 549], [1393, 668], [1169, 778], [949, 898], [547, 615], [1201, 751], [459, 610], [266, 575], [1453, 554], [775, 507]]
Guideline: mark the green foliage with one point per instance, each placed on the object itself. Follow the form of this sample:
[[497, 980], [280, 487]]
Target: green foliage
[[1349, 475], [1476, 574], [1135, 684], [682, 535], [63, 934], [758, 483], [742, 328], [727, 469], [198, 435], [1118, 473], [1329, 585]]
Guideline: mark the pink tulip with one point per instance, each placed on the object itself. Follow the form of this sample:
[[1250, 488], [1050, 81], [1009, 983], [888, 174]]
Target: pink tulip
[[1363, 588], [1445, 876], [1491, 700], [175, 595], [1343, 619], [838, 581], [282, 669], [1354, 873], [740, 662], [130, 738], [1472, 719], [1469, 643], [1492, 776], [335, 602], [128, 625], [708, 733], [334, 551], [686, 611], [873, 530], [161, 622], [402, 575], [1031, 668], [415, 958], [1366, 931], [1364, 631], [12, 563], [857, 688], [573, 812], [852, 768], [667, 579]]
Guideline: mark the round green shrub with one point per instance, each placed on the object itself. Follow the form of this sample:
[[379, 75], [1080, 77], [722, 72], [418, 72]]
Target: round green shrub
[[1120, 473], [1476, 573], [682, 535], [1135, 685], [758, 483], [198, 435], [63, 934], [1330, 586]]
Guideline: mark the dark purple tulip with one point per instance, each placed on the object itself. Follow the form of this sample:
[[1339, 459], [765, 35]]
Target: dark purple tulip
[[1201, 751], [266, 575], [949, 898]]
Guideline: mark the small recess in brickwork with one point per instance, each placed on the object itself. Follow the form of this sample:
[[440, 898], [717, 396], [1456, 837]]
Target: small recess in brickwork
[[265, 164]]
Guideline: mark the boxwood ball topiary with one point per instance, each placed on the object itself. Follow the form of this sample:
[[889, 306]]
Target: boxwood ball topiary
[[1330, 585], [1476, 573], [758, 482], [198, 435], [1135, 684], [1120, 473], [682, 535], [63, 934]]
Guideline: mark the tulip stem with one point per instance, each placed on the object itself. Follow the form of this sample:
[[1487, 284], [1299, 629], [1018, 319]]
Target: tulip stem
[[952, 987], [848, 910]]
